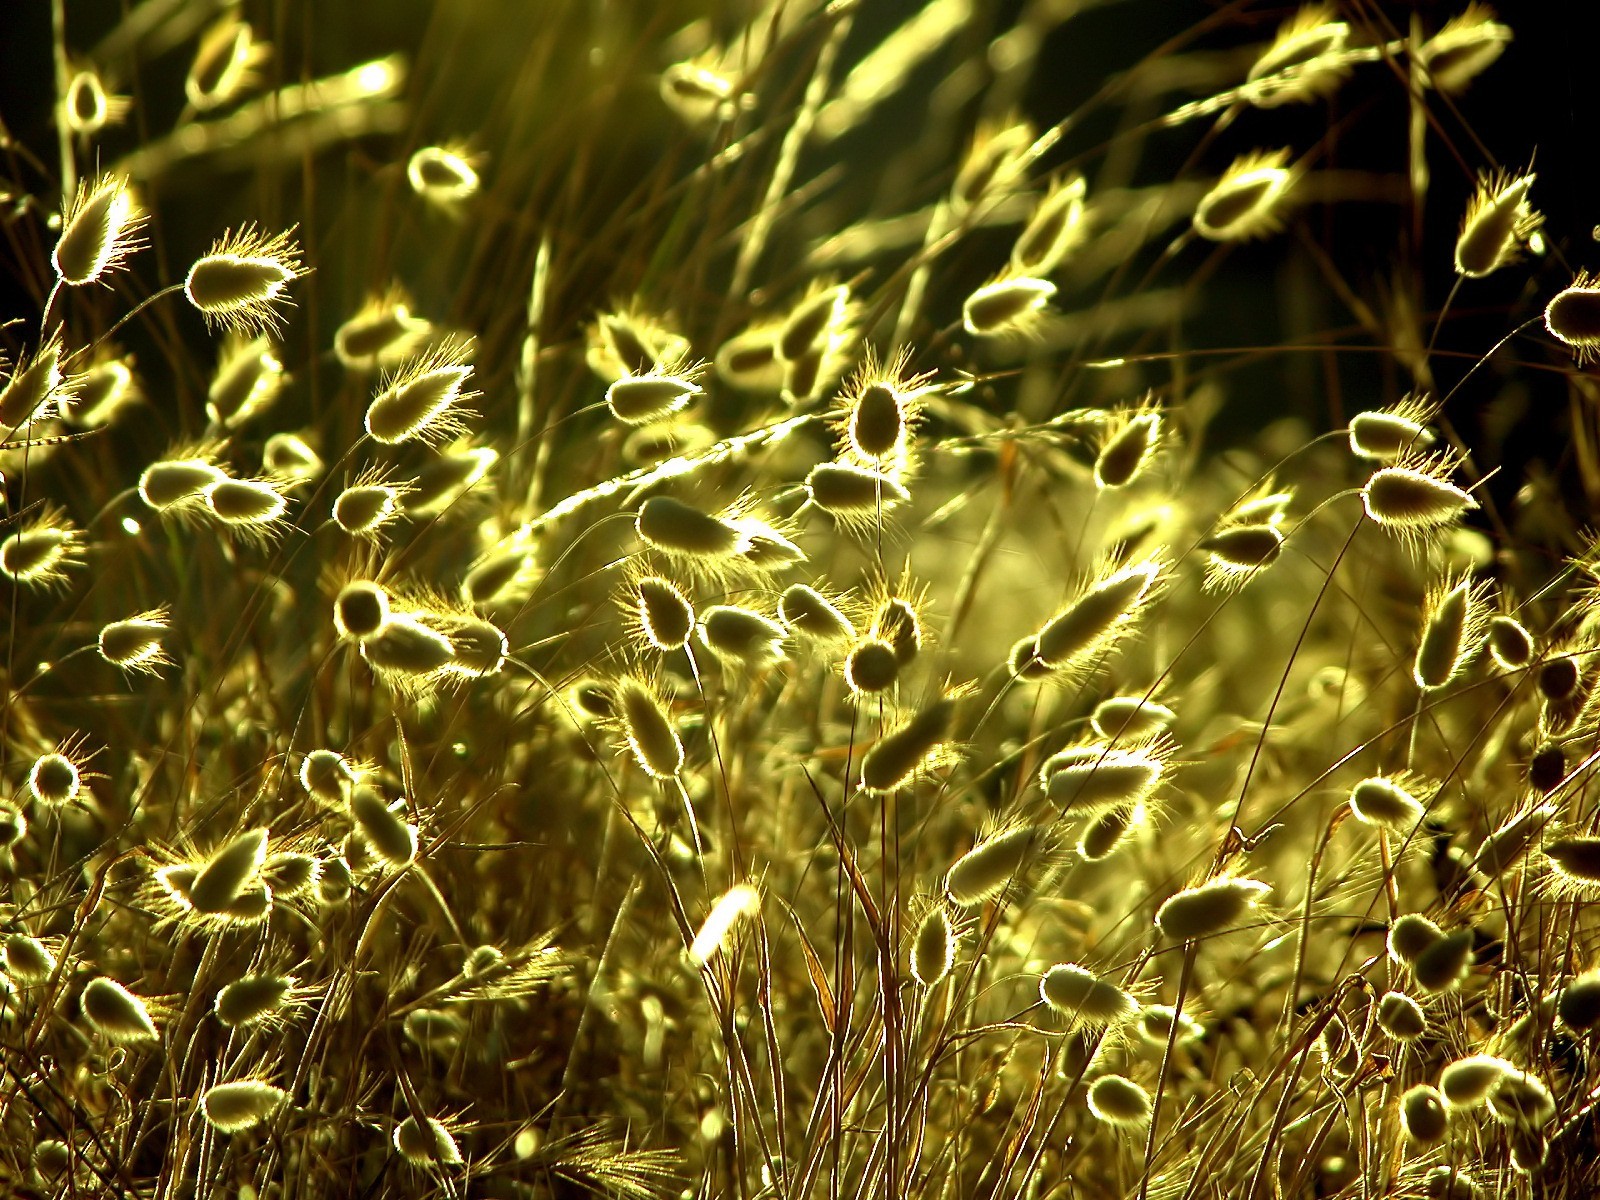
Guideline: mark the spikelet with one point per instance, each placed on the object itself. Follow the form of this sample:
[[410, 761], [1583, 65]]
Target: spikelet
[[1503, 848], [1465, 46], [103, 392], [912, 746], [1578, 1005], [13, 825], [87, 108], [1577, 862], [383, 827], [1415, 496], [427, 1142], [1128, 444], [27, 959], [1096, 778], [895, 622], [422, 400], [698, 92], [116, 1014], [1054, 230], [1573, 317], [1423, 1115], [177, 483], [54, 779], [1509, 642], [1130, 718], [1465, 1082], [98, 232], [985, 871], [249, 377], [740, 636], [1304, 62], [250, 508], [134, 643], [1443, 965], [855, 497], [808, 613], [370, 504], [814, 322], [39, 552], [502, 575], [382, 334], [239, 283], [1248, 201], [240, 1105], [656, 395], [1498, 223], [1237, 553], [443, 482], [1521, 1100], [406, 650], [1105, 611], [1397, 431], [228, 872], [1410, 935], [994, 162], [647, 729], [1453, 627], [255, 1000], [1083, 997], [1386, 802], [36, 389], [1210, 908], [738, 902], [933, 948], [361, 609], [443, 175], [749, 361], [1154, 1026], [1119, 1102], [630, 341], [1008, 305], [1401, 1017], [226, 63]]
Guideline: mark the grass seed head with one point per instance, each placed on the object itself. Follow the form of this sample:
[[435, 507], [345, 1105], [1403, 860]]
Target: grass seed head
[[253, 999], [1095, 778], [1450, 1182], [1578, 1004], [426, 1143], [1576, 859], [1011, 304], [1410, 936], [680, 530], [1120, 1102], [812, 322], [253, 507], [807, 612], [1109, 832], [1154, 1026], [1054, 230], [983, 872], [87, 108], [1389, 435], [178, 483], [1423, 1115], [648, 729], [361, 609], [407, 649], [445, 480], [1305, 60], [1465, 1082], [1248, 201], [1510, 642], [249, 377], [382, 334], [741, 636], [36, 389], [363, 509], [383, 827], [226, 63], [933, 949], [421, 401], [1415, 496], [854, 496], [116, 1014], [1210, 908], [1401, 1017], [27, 959], [1573, 317], [290, 873], [240, 282], [1385, 803], [478, 647], [1521, 1101], [897, 756], [1235, 554], [643, 399], [228, 872], [240, 1105], [1498, 222], [435, 1030], [100, 229], [1130, 718], [1465, 46], [871, 667], [1105, 610], [1444, 964], [134, 644], [732, 906], [878, 422], [442, 174], [39, 552], [1083, 997], [664, 615], [1505, 847], [1128, 447]]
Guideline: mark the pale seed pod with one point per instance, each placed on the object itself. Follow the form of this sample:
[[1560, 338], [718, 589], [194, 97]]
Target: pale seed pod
[[228, 872], [442, 175], [1107, 833], [383, 333], [1078, 994], [1054, 230], [1210, 908], [933, 949], [334, 881], [54, 780], [741, 636], [1444, 964], [253, 999], [27, 959], [809, 324], [1007, 305], [434, 1030], [983, 872], [1099, 616], [426, 1143], [1024, 663], [1247, 202], [1094, 779], [852, 493], [1386, 804], [1414, 498], [1127, 451], [1465, 1083], [897, 623], [871, 667], [1452, 630], [178, 482], [290, 873], [1340, 1051], [87, 108], [1521, 1101], [1410, 936], [1509, 642], [1119, 1101], [482, 961], [445, 480], [737, 903], [1573, 317], [1423, 1115], [1497, 221], [1154, 1025], [383, 828], [642, 399], [361, 609], [1390, 434], [98, 232], [1463, 48], [878, 423], [134, 644], [1304, 61], [1401, 1017], [36, 389], [500, 575], [1133, 718], [1578, 1005], [13, 825], [249, 377], [38, 553], [225, 64], [1576, 859], [648, 729], [116, 1014], [421, 401], [806, 611], [247, 505], [665, 616], [749, 361], [1530, 1150], [327, 776], [1235, 553], [240, 1105], [1559, 678], [363, 509], [683, 531], [902, 752], [478, 648], [240, 281], [1506, 846]]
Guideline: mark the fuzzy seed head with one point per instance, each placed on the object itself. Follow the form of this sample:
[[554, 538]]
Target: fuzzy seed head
[[643, 399], [1445, 963], [1248, 201], [241, 281], [420, 402], [807, 612], [1410, 936], [681, 530], [1498, 221], [290, 873], [1154, 1025], [226, 63], [478, 647], [1573, 317], [36, 389], [248, 379], [383, 828], [1521, 1101], [1576, 859], [1119, 1102], [807, 328], [360, 610], [39, 552], [1008, 305], [741, 636], [1210, 908], [1389, 435], [738, 902], [933, 950], [116, 1014], [1578, 1005], [878, 423], [1130, 718], [363, 509], [441, 174], [1094, 779], [1078, 994], [1108, 832], [178, 482], [383, 333], [240, 1105], [983, 872], [901, 753], [134, 644], [27, 959], [1510, 642], [648, 729], [228, 872], [1386, 804], [1127, 451], [852, 494], [446, 479], [53, 780], [408, 648], [246, 504], [1504, 848], [1303, 62], [1414, 498], [1235, 553], [1098, 617], [871, 667], [1423, 1115], [1465, 1083], [426, 1143], [99, 231], [1401, 1017], [253, 999], [1054, 230], [1463, 48]]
